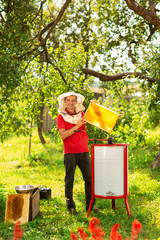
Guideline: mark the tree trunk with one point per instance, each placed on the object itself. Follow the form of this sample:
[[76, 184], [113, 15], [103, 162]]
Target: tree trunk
[[156, 162], [40, 129], [30, 140]]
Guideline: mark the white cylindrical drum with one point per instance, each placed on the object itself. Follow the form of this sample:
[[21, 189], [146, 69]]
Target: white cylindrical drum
[[109, 170]]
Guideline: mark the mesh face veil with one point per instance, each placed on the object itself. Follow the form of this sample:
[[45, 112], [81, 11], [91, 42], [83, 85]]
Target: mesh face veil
[[78, 107]]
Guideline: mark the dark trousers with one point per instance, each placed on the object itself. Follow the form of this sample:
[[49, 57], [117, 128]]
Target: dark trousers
[[82, 160]]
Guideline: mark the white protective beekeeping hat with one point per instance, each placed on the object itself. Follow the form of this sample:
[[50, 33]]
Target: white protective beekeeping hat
[[79, 105]]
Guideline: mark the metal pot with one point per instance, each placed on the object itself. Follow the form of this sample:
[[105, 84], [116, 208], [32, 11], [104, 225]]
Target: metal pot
[[24, 188]]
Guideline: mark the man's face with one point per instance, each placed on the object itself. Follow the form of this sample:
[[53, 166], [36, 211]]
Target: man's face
[[70, 102]]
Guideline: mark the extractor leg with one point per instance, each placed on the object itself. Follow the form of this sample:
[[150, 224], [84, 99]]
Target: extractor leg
[[127, 206], [90, 206]]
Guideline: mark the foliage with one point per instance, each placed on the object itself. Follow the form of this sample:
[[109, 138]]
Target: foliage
[[135, 119], [154, 105], [15, 29], [78, 26], [40, 87], [108, 37], [12, 118], [126, 39]]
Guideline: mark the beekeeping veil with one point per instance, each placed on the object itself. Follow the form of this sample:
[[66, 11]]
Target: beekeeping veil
[[78, 108]]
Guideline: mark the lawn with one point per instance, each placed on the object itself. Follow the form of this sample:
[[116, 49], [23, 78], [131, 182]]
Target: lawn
[[45, 168]]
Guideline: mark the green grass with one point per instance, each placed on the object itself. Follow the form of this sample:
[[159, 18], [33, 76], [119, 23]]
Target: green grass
[[45, 168]]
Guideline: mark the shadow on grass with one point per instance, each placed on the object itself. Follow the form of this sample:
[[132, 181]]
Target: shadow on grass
[[2, 202]]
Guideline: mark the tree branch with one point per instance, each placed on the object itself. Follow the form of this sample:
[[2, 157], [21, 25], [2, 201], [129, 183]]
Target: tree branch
[[105, 78], [148, 15], [152, 31], [51, 25], [130, 54], [40, 9], [8, 6], [152, 7], [48, 60]]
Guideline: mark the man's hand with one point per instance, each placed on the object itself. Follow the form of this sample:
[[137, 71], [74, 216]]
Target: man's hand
[[80, 122]]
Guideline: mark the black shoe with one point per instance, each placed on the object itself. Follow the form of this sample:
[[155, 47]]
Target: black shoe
[[73, 211]]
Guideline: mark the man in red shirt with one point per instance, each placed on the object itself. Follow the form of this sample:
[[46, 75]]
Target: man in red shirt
[[76, 152]]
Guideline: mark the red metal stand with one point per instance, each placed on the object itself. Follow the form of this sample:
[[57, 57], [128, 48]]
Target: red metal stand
[[125, 194]]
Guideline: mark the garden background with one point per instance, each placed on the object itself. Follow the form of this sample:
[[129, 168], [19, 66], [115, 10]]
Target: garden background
[[50, 47]]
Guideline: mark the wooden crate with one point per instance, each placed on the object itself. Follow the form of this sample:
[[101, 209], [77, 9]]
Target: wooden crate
[[34, 205], [23, 207]]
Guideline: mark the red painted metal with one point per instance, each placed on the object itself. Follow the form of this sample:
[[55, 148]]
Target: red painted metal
[[126, 180]]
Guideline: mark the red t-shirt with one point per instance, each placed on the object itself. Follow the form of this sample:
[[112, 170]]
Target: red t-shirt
[[77, 142]]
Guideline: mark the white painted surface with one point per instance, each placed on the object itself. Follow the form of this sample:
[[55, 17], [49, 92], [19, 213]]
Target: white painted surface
[[109, 170]]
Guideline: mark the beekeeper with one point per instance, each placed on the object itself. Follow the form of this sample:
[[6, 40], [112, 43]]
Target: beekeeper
[[76, 152]]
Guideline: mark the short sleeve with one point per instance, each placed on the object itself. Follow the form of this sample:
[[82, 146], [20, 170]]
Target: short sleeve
[[60, 122]]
